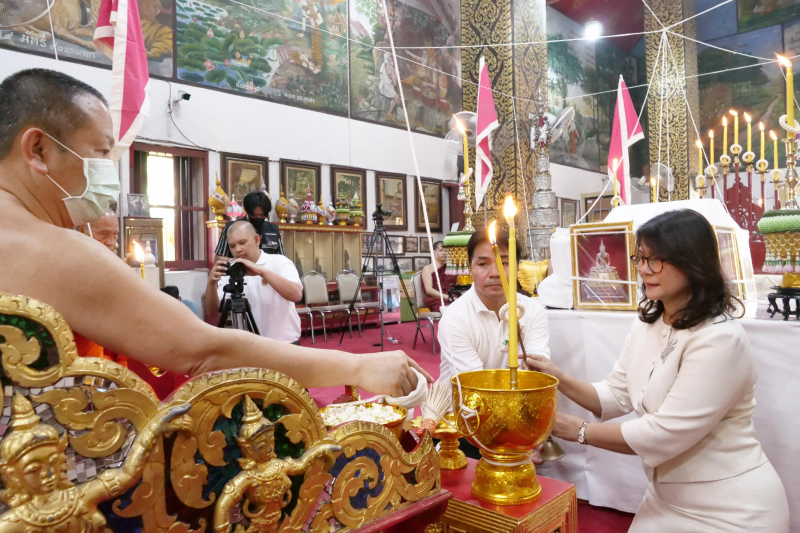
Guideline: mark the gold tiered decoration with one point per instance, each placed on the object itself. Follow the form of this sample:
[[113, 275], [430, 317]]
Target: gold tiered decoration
[[93, 430]]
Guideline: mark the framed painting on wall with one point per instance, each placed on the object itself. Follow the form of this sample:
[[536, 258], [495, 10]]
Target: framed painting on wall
[[432, 195], [397, 243], [372, 246], [420, 262], [406, 264], [138, 205], [602, 269], [348, 182], [424, 245], [391, 194], [570, 211], [298, 178], [243, 174], [597, 211], [412, 245]]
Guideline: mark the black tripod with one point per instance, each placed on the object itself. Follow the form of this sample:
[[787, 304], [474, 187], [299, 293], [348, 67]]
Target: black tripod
[[234, 305], [379, 236]]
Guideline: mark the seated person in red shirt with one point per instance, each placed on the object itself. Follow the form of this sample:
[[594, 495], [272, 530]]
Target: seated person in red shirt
[[433, 298]]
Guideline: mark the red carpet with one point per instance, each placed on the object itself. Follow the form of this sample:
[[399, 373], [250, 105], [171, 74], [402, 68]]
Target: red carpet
[[590, 519]]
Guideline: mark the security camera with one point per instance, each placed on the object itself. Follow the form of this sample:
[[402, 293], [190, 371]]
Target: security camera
[[182, 95]]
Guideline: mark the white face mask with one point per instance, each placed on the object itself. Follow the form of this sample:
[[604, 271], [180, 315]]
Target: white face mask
[[102, 188]]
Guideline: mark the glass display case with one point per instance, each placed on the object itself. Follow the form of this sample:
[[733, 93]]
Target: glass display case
[[325, 249]]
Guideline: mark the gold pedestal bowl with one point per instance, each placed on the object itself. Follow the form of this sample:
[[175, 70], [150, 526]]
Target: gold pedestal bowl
[[506, 425], [450, 455]]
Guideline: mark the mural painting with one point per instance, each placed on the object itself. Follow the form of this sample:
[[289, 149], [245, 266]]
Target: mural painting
[[74, 23], [289, 51], [430, 78], [571, 75], [754, 14]]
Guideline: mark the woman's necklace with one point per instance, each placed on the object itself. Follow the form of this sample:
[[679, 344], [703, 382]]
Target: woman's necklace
[[670, 346]]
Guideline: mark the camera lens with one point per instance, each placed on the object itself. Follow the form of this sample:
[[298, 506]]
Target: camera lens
[[236, 270]]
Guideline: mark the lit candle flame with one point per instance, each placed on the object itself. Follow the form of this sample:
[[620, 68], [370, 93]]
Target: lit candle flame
[[724, 122], [747, 117], [652, 181], [761, 126], [734, 113], [772, 134], [460, 126], [710, 134], [616, 164], [509, 209], [138, 252], [783, 61], [760, 202], [698, 143], [493, 232]]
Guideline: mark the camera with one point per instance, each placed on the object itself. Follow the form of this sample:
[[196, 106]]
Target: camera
[[182, 95], [236, 271], [379, 215]]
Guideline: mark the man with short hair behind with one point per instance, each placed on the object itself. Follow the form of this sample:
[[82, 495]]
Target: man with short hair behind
[[471, 333], [258, 206], [55, 139], [272, 285], [105, 231]]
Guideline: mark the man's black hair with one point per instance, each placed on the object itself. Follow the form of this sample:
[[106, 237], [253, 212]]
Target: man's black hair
[[44, 99], [437, 244], [257, 199], [172, 290]]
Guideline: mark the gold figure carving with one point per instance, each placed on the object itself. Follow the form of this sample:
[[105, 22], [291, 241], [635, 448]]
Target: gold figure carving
[[33, 467], [264, 480], [55, 483]]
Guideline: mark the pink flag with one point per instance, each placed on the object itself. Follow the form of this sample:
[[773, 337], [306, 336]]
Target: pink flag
[[487, 123], [624, 133], [119, 36]]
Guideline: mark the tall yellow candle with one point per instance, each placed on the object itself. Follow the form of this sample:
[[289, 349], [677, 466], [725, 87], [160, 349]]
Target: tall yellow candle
[[711, 136], [510, 211], [493, 240], [463, 131], [761, 127], [789, 93], [138, 254], [749, 133], [774, 148], [735, 126], [724, 136]]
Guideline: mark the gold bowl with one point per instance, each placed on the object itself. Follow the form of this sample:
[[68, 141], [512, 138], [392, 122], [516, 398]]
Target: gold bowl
[[396, 426], [791, 280], [506, 425]]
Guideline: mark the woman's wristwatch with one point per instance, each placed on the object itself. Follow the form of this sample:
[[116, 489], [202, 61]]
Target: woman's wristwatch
[[582, 433]]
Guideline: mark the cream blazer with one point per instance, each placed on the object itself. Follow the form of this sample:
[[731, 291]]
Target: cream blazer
[[693, 391]]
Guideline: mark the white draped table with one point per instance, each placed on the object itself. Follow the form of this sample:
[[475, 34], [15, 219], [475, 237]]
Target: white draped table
[[586, 344]]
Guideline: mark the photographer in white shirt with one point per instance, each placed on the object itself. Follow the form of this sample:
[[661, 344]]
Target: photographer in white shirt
[[471, 334], [272, 286]]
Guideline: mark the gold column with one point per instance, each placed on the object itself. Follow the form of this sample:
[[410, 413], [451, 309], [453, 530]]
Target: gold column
[[676, 83], [514, 70]]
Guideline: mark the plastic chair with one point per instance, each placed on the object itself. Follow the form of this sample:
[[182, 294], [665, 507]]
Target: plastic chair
[[315, 288], [349, 288], [429, 316]]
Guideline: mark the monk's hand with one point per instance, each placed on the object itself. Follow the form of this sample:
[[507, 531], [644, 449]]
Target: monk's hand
[[390, 373], [541, 363]]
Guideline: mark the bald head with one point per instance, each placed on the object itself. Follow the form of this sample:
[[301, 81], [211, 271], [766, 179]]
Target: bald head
[[242, 226], [244, 241], [105, 231]]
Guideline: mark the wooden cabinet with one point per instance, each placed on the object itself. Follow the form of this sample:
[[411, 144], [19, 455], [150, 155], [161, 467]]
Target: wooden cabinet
[[325, 249]]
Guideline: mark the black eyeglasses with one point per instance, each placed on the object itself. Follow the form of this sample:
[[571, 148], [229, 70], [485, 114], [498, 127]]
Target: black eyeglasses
[[656, 265]]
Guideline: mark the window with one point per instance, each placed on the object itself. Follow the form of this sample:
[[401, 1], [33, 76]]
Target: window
[[176, 183]]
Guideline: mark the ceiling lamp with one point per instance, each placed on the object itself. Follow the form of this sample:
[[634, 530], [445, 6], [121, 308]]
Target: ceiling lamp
[[593, 30]]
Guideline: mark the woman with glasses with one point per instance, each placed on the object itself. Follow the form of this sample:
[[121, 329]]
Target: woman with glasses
[[687, 371]]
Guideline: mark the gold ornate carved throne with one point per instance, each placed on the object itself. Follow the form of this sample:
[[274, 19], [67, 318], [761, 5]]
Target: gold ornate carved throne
[[87, 447]]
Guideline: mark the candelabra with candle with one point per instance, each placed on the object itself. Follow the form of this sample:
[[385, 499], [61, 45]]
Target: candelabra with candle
[[792, 128], [761, 166]]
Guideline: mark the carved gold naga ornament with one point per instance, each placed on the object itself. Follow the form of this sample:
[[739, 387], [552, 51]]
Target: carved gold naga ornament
[[65, 410]]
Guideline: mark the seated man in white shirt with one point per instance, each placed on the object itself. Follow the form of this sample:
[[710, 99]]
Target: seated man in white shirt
[[471, 334], [272, 291]]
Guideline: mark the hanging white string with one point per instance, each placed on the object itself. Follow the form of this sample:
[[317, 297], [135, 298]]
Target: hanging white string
[[52, 33], [524, 188], [413, 153], [661, 116]]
